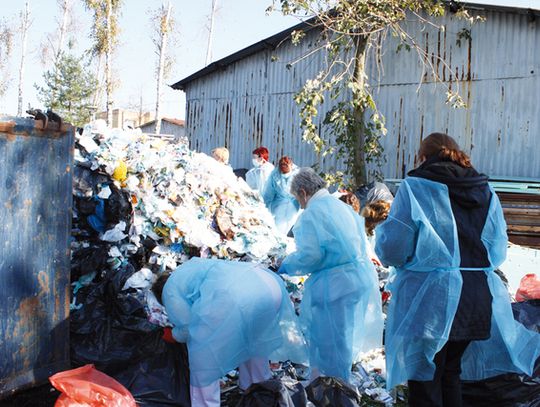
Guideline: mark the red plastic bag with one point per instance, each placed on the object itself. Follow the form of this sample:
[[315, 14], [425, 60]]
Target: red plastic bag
[[88, 387], [529, 288]]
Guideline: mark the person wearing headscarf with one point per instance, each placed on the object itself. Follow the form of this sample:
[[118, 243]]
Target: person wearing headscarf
[[278, 198], [257, 176], [230, 314], [450, 314], [340, 311]]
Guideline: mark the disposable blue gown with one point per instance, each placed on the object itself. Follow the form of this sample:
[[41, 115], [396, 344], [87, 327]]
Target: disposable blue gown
[[256, 177], [340, 312], [420, 239], [279, 200], [226, 314]]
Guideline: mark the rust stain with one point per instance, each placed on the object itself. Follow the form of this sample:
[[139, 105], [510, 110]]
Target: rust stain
[[438, 52], [469, 53], [68, 169], [27, 202], [44, 283], [28, 315], [398, 145], [7, 127], [10, 136], [444, 56]]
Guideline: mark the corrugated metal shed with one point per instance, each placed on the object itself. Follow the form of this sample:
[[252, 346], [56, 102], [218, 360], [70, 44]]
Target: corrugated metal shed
[[36, 196], [245, 100]]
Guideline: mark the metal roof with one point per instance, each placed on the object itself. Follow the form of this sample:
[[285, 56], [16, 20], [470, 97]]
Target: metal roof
[[178, 122], [276, 39]]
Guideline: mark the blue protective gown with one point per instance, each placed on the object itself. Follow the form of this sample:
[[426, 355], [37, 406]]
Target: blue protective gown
[[341, 311], [256, 177], [420, 239], [279, 200], [226, 314]]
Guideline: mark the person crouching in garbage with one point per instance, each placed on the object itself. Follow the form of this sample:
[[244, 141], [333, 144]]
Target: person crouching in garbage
[[450, 313], [230, 314], [341, 307]]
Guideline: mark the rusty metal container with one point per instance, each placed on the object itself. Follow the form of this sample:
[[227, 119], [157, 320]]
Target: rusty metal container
[[36, 199]]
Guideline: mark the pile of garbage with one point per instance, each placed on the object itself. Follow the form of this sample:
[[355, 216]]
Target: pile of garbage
[[130, 189], [142, 206]]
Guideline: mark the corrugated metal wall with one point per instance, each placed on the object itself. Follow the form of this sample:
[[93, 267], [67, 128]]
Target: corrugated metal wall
[[36, 196], [250, 103]]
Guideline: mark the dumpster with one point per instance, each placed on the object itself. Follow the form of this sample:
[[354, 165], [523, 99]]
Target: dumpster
[[36, 197]]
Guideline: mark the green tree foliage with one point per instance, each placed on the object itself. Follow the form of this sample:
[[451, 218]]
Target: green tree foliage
[[351, 32], [68, 89]]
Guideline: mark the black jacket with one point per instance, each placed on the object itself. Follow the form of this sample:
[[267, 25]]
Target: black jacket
[[470, 198]]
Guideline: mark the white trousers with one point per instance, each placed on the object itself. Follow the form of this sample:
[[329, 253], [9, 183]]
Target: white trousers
[[254, 370]]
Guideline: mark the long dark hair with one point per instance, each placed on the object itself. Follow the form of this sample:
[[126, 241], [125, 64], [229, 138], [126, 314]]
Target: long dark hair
[[157, 287], [445, 147]]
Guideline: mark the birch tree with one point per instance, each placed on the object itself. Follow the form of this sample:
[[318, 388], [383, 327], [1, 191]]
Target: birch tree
[[349, 30], [23, 29], [6, 47], [164, 25], [211, 32], [56, 42], [105, 36]]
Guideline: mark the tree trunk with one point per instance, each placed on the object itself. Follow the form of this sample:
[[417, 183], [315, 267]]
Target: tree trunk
[[211, 33], [25, 23], [61, 37], [358, 169], [108, 57], [63, 29], [164, 32], [98, 95]]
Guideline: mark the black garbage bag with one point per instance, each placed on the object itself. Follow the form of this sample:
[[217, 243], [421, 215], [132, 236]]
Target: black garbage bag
[[118, 206], [331, 392], [89, 259], [111, 331], [85, 181], [102, 330], [509, 390], [162, 379], [274, 393], [528, 313]]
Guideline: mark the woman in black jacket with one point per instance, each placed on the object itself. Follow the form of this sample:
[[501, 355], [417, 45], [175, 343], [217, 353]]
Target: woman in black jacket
[[445, 235]]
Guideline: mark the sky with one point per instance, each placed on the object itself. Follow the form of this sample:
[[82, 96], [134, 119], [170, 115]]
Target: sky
[[238, 24]]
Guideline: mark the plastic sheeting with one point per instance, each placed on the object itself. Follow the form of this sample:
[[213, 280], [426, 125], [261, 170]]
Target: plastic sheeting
[[87, 386]]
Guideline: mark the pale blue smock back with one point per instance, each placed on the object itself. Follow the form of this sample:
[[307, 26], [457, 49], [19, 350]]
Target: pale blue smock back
[[226, 313], [420, 239], [341, 309]]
